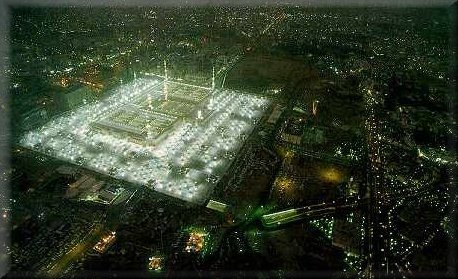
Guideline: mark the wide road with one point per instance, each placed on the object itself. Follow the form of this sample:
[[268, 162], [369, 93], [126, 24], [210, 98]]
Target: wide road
[[296, 214], [77, 251]]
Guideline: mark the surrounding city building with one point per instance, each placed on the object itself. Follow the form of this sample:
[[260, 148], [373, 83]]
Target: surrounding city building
[[280, 141]]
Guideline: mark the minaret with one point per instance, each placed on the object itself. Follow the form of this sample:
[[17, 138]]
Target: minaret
[[224, 80], [165, 81], [213, 78], [315, 106]]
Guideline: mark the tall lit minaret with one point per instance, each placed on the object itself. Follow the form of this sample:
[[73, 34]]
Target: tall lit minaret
[[165, 81], [213, 78], [315, 106]]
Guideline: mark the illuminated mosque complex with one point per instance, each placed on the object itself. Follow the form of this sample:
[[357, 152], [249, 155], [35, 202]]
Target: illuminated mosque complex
[[176, 138]]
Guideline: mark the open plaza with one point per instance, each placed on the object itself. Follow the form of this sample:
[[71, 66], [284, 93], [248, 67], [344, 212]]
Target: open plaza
[[176, 138]]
